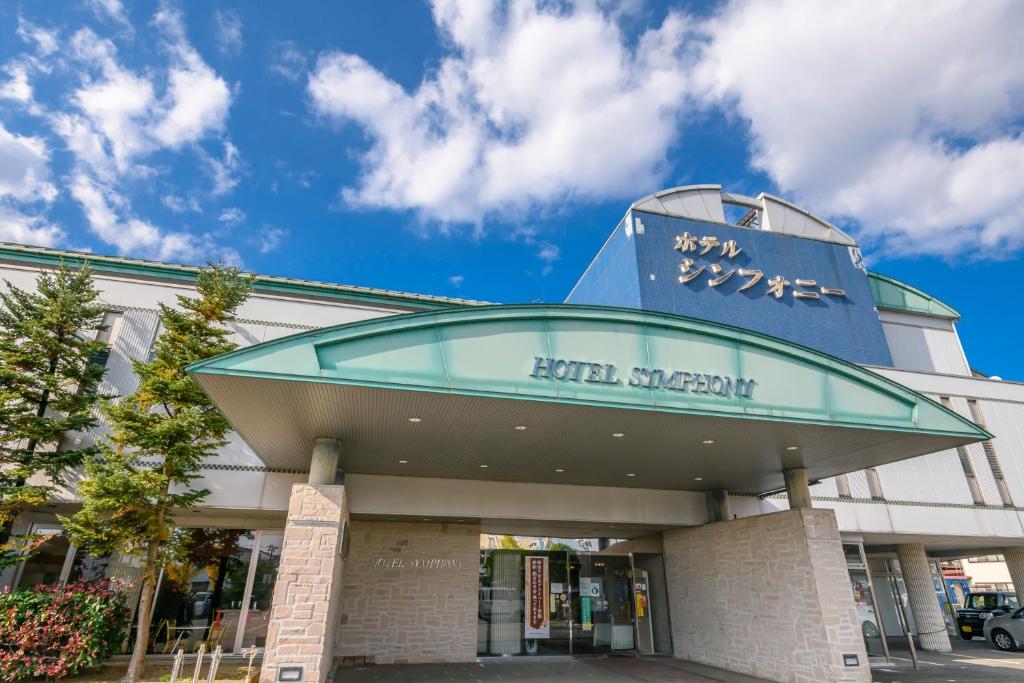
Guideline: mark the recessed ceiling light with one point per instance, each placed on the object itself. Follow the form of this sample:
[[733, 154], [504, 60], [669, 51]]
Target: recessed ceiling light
[[391, 519], [792, 448], [631, 474], [708, 442], [618, 435], [403, 462], [520, 428], [426, 519], [698, 478], [461, 520], [415, 419], [483, 467], [559, 469]]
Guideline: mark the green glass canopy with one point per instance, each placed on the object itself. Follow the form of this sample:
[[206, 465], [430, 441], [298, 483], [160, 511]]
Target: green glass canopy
[[608, 390], [899, 296]]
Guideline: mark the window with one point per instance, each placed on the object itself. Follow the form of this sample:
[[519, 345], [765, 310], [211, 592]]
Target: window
[[982, 601], [112, 321], [986, 558]]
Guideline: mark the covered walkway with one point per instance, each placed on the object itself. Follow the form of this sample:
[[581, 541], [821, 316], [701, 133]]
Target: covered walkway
[[547, 670]]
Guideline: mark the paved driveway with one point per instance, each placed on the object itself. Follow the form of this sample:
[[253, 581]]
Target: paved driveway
[[969, 662], [547, 670], [974, 660]]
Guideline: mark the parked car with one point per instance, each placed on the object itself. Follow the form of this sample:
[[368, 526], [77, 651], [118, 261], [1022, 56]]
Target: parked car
[[1006, 631], [203, 604], [979, 608]]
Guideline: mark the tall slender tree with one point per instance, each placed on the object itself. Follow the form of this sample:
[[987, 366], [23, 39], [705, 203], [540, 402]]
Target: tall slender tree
[[48, 389], [159, 437]]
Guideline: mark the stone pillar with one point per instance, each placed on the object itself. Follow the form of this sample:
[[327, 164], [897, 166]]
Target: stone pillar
[[307, 594], [767, 596], [797, 488], [719, 509], [917, 576], [1015, 563]]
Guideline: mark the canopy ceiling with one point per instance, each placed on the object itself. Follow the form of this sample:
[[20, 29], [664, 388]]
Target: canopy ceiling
[[600, 393]]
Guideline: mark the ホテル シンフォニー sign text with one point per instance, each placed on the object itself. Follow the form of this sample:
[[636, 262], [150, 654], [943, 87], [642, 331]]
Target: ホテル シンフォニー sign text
[[564, 370]]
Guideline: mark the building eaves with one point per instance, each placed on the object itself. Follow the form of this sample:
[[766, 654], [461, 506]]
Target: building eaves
[[271, 284]]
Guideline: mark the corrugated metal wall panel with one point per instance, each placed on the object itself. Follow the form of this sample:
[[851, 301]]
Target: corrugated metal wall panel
[[1006, 421], [133, 342], [934, 478]]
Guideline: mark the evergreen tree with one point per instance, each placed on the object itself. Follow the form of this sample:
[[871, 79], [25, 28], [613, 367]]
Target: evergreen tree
[[48, 388], [159, 437]]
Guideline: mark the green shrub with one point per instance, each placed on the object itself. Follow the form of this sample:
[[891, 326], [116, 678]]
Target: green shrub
[[56, 631]]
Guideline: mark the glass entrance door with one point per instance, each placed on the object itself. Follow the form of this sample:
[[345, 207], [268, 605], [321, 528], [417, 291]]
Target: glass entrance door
[[567, 599], [602, 604]]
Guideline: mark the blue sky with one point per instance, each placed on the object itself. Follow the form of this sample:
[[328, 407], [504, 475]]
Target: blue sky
[[486, 150]]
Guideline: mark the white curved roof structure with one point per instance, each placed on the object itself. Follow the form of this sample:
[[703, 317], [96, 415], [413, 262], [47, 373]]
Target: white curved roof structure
[[765, 212]]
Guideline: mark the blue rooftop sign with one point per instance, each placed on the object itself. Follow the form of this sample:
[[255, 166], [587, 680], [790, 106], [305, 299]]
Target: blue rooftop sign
[[802, 290]]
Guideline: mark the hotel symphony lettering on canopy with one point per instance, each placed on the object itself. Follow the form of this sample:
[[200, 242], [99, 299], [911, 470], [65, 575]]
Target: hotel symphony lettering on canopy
[[654, 378]]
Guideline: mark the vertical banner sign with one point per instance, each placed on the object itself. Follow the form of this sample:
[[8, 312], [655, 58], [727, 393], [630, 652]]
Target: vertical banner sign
[[538, 619], [585, 615]]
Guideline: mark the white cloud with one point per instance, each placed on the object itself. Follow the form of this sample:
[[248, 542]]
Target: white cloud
[[45, 40], [110, 9], [122, 117], [16, 87], [179, 204], [231, 215], [228, 27], [271, 239], [198, 99], [117, 109], [223, 171], [287, 61], [107, 213], [532, 105], [898, 117], [117, 118], [24, 229], [548, 253], [457, 280], [24, 170], [903, 121]]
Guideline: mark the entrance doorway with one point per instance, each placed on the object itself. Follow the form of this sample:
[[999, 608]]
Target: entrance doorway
[[565, 599]]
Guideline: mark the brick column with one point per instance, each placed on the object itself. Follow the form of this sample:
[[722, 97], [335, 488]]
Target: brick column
[[1015, 563], [917, 577], [307, 593]]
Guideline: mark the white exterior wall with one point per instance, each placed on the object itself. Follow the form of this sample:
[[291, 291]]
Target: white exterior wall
[[928, 357], [926, 496], [924, 343], [246, 485]]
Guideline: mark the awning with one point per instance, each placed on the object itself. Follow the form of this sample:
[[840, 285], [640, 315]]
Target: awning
[[574, 395]]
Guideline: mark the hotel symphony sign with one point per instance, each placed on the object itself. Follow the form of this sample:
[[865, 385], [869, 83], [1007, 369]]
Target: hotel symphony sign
[[564, 370], [415, 563]]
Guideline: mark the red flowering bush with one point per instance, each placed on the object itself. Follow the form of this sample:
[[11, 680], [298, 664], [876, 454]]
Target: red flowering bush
[[56, 631]]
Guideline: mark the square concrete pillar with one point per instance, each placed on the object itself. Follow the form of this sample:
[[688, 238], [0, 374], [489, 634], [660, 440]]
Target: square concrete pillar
[[307, 594], [767, 596]]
